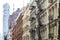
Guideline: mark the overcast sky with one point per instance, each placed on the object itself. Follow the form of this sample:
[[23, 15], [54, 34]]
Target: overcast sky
[[17, 4]]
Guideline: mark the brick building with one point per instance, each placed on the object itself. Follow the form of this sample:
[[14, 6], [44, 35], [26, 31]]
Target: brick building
[[17, 30], [11, 23]]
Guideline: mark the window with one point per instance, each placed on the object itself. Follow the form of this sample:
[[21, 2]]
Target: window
[[50, 17], [8, 9], [51, 14], [51, 31]]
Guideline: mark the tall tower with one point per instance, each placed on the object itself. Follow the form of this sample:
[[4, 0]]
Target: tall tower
[[6, 14]]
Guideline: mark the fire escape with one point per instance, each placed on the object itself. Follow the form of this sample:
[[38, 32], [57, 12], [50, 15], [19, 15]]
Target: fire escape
[[32, 29], [38, 18], [32, 18], [37, 14]]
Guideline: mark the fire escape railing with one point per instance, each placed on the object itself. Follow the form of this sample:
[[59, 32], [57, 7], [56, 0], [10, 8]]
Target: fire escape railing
[[32, 30], [38, 19]]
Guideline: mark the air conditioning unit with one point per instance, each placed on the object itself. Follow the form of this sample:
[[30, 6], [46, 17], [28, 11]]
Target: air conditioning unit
[[50, 1]]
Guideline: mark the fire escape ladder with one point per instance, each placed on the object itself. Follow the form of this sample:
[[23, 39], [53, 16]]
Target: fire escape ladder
[[38, 18]]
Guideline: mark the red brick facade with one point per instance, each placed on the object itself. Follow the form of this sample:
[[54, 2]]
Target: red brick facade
[[17, 30]]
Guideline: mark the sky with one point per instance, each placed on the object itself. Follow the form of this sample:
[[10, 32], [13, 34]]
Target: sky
[[17, 4]]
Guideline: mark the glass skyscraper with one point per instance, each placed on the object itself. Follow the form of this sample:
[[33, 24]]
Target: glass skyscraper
[[6, 14]]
